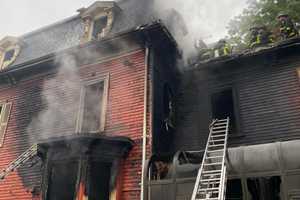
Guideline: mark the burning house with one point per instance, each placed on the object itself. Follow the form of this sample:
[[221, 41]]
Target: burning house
[[95, 107]]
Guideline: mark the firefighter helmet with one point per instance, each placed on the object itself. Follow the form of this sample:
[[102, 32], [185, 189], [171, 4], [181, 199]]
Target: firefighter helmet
[[282, 14]]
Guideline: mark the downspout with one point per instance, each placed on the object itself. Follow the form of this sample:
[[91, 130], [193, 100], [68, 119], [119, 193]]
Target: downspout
[[144, 143]]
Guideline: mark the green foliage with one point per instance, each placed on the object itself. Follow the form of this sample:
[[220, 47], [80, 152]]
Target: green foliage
[[260, 12]]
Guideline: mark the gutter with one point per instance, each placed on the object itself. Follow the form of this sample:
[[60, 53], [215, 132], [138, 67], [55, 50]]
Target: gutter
[[144, 136]]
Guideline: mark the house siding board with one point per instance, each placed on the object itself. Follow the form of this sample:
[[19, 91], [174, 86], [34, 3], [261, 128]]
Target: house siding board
[[268, 99], [124, 117]]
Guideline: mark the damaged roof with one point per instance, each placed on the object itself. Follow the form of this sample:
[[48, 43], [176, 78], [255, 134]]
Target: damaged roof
[[67, 33]]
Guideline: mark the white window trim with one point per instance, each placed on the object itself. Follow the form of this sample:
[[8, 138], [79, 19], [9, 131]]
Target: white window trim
[[98, 79], [5, 64], [4, 104]]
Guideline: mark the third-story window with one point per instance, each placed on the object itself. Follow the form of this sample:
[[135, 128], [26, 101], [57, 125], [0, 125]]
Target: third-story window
[[99, 25], [93, 107], [223, 106]]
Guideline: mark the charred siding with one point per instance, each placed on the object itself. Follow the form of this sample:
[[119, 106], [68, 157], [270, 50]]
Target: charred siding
[[267, 99]]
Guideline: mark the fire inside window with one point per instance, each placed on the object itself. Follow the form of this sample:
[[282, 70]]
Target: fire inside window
[[93, 100], [99, 25], [8, 55]]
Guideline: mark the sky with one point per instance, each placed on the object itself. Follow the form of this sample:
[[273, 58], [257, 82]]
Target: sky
[[18, 17]]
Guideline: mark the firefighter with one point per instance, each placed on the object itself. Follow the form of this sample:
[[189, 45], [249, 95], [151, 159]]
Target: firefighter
[[287, 26], [222, 48], [260, 36]]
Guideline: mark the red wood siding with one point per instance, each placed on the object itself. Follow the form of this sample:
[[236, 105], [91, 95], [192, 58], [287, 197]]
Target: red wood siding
[[124, 117]]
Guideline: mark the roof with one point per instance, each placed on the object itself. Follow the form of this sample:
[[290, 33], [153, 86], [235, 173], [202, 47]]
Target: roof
[[67, 33], [276, 47]]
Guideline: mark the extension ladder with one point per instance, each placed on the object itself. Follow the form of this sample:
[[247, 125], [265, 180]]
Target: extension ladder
[[23, 158], [211, 179]]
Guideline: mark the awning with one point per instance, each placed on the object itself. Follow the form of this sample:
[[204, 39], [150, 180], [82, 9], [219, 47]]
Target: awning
[[275, 157], [94, 146]]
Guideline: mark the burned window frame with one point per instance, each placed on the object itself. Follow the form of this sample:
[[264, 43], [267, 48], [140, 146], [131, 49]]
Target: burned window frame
[[105, 81], [236, 111]]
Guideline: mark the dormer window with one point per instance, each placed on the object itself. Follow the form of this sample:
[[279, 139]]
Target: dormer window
[[98, 27], [98, 19], [9, 50]]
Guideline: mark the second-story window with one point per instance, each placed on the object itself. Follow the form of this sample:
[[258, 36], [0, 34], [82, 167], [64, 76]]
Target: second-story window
[[93, 107], [4, 117], [223, 106]]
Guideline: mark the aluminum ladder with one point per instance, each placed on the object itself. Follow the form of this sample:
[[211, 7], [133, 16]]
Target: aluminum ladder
[[23, 158], [211, 179]]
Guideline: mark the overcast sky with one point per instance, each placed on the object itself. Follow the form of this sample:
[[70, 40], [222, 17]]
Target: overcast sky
[[18, 17]]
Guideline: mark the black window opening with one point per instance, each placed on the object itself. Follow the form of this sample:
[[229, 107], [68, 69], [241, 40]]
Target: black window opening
[[92, 108], [62, 181], [99, 25], [223, 106], [264, 188], [8, 55], [234, 190], [99, 181]]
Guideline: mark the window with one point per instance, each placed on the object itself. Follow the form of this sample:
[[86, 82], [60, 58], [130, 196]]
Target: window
[[62, 181], [234, 189], [4, 117], [99, 26], [223, 106], [93, 107], [99, 184], [9, 55], [264, 188]]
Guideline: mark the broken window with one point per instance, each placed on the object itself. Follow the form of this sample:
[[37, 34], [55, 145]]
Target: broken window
[[223, 107], [92, 108], [234, 189], [99, 181], [62, 181], [4, 117], [168, 106], [99, 25], [264, 188]]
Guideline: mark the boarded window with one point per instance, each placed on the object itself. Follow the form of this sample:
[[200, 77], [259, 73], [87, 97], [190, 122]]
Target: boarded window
[[4, 117], [62, 181], [99, 181], [99, 25], [223, 107], [8, 55], [93, 107]]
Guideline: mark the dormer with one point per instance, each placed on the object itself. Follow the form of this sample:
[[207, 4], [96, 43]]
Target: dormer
[[98, 19], [9, 50]]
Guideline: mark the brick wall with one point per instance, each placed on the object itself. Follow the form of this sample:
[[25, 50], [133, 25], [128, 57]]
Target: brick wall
[[124, 117]]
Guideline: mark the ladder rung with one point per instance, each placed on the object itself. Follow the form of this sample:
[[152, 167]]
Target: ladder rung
[[221, 140], [222, 120], [216, 145], [210, 172], [211, 175], [219, 127], [208, 189], [215, 136], [223, 131], [214, 157], [211, 164], [211, 179], [213, 151], [220, 123]]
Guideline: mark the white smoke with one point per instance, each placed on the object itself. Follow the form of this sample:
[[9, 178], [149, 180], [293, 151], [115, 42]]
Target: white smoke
[[205, 19], [60, 96]]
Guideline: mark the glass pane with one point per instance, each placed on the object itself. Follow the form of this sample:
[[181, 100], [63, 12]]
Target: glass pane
[[9, 55], [92, 108]]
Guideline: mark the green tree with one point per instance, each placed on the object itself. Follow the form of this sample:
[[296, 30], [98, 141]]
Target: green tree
[[260, 12]]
